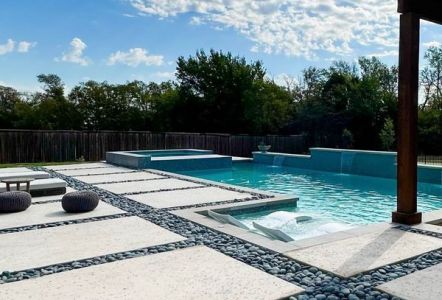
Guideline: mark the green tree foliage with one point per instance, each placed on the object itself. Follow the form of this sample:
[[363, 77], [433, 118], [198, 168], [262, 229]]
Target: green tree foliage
[[387, 135], [430, 114], [345, 105], [131, 106], [9, 98], [223, 93], [353, 97], [431, 79]]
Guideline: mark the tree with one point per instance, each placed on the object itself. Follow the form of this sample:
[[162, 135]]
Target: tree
[[431, 78], [51, 108], [52, 85], [387, 135], [222, 93], [9, 97]]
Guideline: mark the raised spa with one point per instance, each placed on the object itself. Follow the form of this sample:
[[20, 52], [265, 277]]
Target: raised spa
[[169, 160]]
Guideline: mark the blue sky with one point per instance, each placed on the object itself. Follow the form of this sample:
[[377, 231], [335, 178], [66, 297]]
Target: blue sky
[[120, 40]]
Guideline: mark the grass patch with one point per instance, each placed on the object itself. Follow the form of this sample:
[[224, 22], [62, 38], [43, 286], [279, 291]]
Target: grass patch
[[40, 164]]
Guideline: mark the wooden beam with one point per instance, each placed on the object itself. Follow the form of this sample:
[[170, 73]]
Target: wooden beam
[[407, 123], [430, 10]]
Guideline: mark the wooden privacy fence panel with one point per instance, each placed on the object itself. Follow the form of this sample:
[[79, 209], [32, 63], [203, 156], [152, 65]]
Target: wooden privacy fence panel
[[20, 146]]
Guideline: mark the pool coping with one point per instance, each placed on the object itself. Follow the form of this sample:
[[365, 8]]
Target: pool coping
[[431, 221]]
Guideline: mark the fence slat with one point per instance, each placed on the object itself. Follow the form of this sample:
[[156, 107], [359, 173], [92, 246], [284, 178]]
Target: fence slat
[[21, 146]]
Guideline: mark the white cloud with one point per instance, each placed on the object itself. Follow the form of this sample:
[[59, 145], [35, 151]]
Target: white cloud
[[284, 79], [385, 53], [7, 47], [302, 28], [75, 53], [165, 75], [135, 57], [25, 46], [432, 44], [22, 47]]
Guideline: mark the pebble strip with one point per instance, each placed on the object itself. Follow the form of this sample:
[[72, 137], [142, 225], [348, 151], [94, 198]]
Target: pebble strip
[[420, 231], [317, 283]]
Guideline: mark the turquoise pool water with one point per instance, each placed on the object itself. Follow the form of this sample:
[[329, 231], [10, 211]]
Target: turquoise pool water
[[335, 201]]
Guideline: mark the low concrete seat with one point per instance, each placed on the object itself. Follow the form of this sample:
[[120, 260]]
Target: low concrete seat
[[14, 201], [43, 187], [81, 201], [30, 174]]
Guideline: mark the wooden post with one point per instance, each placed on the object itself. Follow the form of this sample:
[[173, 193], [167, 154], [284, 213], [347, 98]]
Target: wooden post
[[407, 123]]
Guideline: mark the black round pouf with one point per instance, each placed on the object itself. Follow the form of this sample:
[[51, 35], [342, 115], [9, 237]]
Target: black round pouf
[[81, 201], [14, 201]]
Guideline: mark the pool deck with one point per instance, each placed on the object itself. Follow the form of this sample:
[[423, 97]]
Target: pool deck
[[146, 240]]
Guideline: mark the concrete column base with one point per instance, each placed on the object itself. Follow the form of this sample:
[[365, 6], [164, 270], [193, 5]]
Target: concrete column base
[[407, 218]]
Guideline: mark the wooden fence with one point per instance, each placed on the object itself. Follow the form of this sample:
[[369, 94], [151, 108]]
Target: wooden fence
[[20, 146]]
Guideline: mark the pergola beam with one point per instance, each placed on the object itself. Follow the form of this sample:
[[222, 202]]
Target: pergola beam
[[429, 10], [407, 122]]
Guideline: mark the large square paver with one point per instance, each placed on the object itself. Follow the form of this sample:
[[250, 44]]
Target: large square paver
[[362, 253], [37, 248], [118, 177], [95, 171], [191, 273], [147, 186], [52, 212], [420, 285], [78, 166], [188, 197]]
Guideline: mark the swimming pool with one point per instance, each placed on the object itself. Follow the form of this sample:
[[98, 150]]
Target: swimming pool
[[335, 201]]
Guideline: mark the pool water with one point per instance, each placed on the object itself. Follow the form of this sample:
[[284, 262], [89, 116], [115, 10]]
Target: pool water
[[335, 201]]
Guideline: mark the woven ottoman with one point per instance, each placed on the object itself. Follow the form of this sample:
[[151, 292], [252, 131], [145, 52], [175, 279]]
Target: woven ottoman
[[14, 201], [82, 201]]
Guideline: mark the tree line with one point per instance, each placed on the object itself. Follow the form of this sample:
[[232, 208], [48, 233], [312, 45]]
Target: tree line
[[345, 105]]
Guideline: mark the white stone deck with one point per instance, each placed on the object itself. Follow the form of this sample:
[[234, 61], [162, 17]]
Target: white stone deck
[[78, 166], [37, 248], [350, 256], [94, 171], [118, 177], [147, 186], [188, 197], [196, 272], [192, 273], [421, 285], [52, 212], [51, 198]]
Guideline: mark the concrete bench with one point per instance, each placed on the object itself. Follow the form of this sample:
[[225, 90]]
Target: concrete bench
[[14, 170], [43, 187], [31, 174]]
